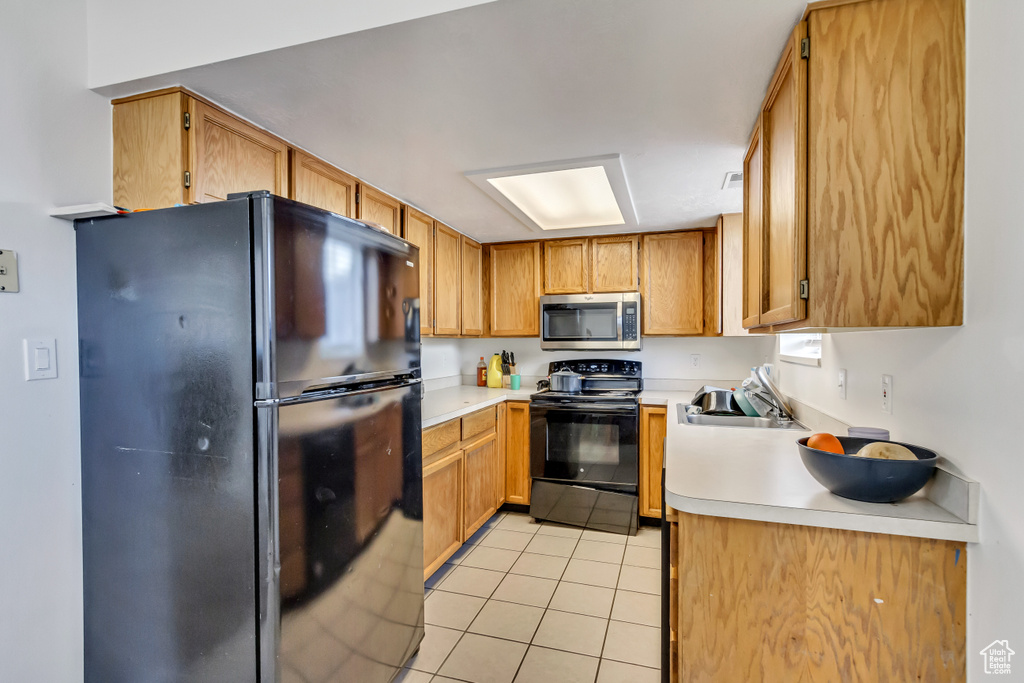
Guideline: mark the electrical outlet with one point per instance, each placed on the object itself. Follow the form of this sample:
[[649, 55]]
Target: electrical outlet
[[8, 271], [694, 360], [887, 394], [842, 383]]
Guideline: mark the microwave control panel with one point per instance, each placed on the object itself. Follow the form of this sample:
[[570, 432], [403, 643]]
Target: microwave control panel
[[629, 322]]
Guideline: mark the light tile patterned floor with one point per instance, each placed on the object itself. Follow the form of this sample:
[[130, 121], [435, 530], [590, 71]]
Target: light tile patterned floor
[[523, 602]]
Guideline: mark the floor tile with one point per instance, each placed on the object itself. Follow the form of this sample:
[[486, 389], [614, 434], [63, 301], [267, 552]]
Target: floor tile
[[507, 620], [459, 555], [637, 608], [599, 552], [647, 537], [479, 535], [508, 540], [525, 590], [442, 679], [543, 566], [493, 520], [516, 522], [604, 537], [495, 559], [571, 632], [413, 676], [592, 573], [480, 659], [581, 599], [439, 575], [437, 643], [618, 672], [641, 556], [542, 665], [633, 644], [639, 580], [471, 581], [553, 529], [451, 610], [551, 545]]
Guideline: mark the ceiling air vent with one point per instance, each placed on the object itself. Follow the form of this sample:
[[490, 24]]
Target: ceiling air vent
[[733, 181]]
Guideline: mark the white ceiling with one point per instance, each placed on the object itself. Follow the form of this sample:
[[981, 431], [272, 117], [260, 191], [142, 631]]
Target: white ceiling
[[671, 85]]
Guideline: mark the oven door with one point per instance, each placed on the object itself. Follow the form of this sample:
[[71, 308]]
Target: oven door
[[586, 444], [567, 323]]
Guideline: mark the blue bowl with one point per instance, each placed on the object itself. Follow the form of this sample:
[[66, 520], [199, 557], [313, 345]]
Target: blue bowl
[[868, 479]]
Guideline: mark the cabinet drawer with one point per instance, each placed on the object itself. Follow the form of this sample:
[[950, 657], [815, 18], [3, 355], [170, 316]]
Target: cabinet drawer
[[440, 437], [478, 422]]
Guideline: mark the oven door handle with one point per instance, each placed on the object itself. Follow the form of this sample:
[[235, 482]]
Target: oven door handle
[[588, 408]]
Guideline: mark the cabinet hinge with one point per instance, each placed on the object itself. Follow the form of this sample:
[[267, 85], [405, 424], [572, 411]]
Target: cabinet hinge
[[805, 48], [188, 121], [188, 179], [804, 289]]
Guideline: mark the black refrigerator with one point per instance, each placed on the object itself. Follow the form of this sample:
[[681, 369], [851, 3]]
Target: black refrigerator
[[251, 469]]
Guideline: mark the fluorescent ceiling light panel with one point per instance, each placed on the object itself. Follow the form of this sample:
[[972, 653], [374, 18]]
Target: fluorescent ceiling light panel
[[580, 193]]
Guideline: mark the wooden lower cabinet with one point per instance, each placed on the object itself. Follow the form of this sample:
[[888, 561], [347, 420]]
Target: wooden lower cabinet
[[443, 492], [757, 601], [517, 454], [499, 477], [480, 500], [652, 448]]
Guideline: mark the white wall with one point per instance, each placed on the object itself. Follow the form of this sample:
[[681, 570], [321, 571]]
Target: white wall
[[957, 390], [129, 39], [56, 151], [441, 357]]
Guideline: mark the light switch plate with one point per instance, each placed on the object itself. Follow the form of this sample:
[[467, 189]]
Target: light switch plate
[[8, 271], [40, 358]]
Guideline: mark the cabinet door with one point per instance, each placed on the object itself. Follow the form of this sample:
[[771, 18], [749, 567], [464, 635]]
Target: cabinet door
[[517, 452], [752, 233], [672, 273], [499, 478], [730, 235], [566, 266], [319, 184], [472, 288], [480, 500], [442, 510], [515, 290], [784, 155], [229, 155], [376, 207], [419, 229], [652, 447], [150, 146], [448, 281], [614, 264]]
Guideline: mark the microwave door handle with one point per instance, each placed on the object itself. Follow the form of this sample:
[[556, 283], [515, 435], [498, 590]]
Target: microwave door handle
[[618, 319]]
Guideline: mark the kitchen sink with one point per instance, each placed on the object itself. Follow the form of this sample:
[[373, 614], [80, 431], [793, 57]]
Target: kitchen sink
[[735, 421]]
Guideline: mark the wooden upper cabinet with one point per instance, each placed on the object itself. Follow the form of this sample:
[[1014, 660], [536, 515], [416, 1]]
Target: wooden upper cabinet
[[730, 235], [752, 233], [472, 288], [319, 184], [448, 280], [514, 276], [567, 266], [614, 263], [150, 151], [784, 132], [418, 228], [228, 155], [376, 207], [672, 283]]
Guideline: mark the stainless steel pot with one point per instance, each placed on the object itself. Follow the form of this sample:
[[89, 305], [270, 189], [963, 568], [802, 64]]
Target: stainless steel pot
[[566, 382]]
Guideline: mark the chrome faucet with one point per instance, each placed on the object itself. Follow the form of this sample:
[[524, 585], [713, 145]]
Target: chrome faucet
[[770, 395]]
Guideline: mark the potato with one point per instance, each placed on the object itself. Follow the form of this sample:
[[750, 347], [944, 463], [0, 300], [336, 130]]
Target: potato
[[886, 451]]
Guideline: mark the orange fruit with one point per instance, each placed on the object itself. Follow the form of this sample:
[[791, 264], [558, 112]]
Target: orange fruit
[[825, 442]]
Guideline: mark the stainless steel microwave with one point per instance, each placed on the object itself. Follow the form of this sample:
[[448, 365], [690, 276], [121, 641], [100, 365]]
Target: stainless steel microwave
[[590, 321]]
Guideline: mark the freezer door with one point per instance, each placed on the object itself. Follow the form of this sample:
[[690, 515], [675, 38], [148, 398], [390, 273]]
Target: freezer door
[[339, 299], [341, 535]]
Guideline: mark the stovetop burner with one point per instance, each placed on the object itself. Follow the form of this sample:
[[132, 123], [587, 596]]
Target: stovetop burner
[[603, 380]]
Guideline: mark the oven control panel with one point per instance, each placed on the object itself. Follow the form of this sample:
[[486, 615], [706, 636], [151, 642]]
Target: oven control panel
[[621, 368], [629, 321]]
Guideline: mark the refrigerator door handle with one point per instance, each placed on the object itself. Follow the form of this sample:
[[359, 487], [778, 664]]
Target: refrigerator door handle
[[340, 392]]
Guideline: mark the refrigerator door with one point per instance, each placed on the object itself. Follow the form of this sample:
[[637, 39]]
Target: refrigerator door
[[341, 534], [337, 300]]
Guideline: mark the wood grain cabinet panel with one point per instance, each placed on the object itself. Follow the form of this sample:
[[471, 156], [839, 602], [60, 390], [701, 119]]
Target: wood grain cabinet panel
[[319, 184], [653, 421], [614, 263], [478, 423], [443, 492], [376, 207], [472, 288], [672, 276], [480, 499], [514, 276], [566, 266], [150, 151], [439, 437], [418, 228], [517, 452], [447, 280], [499, 477], [752, 232], [730, 234]]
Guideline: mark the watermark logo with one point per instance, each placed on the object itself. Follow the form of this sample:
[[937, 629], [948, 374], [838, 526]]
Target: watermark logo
[[997, 657]]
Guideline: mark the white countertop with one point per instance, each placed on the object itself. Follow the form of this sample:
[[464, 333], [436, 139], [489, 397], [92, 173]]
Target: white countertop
[[441, 405], [757, 474]]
